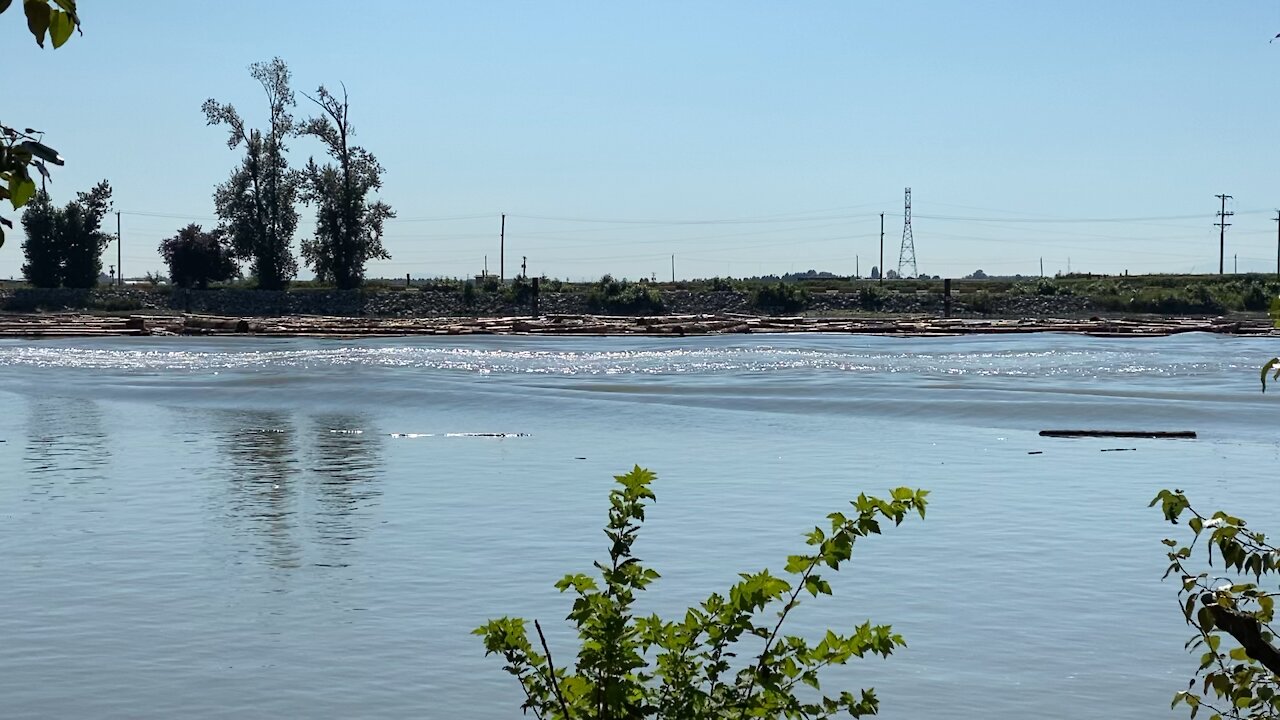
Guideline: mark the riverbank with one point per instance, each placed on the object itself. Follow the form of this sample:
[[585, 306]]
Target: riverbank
[[56, 325]]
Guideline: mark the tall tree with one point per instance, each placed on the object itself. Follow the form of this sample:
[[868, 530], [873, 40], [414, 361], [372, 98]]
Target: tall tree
[[81, 236], [196, 257], [64, 245], [348, 226], [43, 268], [256, 204]]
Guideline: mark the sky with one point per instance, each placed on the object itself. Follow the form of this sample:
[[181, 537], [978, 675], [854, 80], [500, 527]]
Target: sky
[[742, 138]]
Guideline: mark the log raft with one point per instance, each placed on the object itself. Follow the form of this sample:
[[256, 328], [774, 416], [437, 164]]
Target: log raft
[[55, 325]]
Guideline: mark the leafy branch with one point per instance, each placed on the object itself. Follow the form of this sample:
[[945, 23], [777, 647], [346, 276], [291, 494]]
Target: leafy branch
[[629, 667], [1239, 681]]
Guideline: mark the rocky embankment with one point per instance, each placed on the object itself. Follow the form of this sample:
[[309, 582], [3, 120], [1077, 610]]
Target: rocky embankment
[[80, 325], [327, 313], [418, 303]]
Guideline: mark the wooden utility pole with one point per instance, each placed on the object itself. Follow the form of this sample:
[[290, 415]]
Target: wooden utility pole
[[1277, 219], [1041, 267], [673, 268], [881, 248], [857, 267], [502, 250], [119, 255], [1222, 232]]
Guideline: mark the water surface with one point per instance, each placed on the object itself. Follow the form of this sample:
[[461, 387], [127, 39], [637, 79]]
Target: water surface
[[253, 528]]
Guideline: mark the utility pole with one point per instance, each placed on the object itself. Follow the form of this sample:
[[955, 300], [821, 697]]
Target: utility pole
[[673, 268], [1235, 264], [1222, 231], [1277, 219], [502, 250], [119, 254], [524, 262], [857, 267], [881, 248], [1041, 267]]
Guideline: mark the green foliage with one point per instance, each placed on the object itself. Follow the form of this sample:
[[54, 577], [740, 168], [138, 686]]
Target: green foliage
[[780, 297], [43, 268], [981, 301], [1041, 287], [196, 258], [719, 284], [469, 293], [82, 238], [624, 298], [1230, 612], [55, 19], [256, 204], [348, 226], [519, 291], [726, 657], [22, 151], [64, 246]]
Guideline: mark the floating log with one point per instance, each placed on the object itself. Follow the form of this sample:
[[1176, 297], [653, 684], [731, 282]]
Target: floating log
[[1119, 433]]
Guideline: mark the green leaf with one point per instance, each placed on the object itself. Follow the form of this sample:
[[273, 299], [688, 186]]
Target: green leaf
[[60, 27], [37, 18], [1275, 361], [21, 189]]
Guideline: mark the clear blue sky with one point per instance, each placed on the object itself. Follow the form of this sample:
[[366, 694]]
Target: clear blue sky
[[745, 137]]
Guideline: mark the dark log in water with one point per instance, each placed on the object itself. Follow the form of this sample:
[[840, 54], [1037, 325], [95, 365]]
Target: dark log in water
[[1119, 433]]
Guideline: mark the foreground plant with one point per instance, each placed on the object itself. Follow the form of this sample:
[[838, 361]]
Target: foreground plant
[[725, 658], [1231, 616]]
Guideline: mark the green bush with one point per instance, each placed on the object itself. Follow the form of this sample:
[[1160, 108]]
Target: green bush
[[780, 297], [724, 658], [621, 297], [519, 291], [871, 298], [979, 302]]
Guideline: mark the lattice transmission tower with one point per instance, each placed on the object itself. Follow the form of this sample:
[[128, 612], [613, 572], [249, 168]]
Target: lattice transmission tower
[[907, 255]]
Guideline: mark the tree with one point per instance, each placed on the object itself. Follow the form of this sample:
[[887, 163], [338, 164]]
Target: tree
[[81, 237], [348, 227], [43, 268], [64, 245], [256, 204], [697, 666], [20, 151], [891, 275], [1241, 678], [875, 272], [196, 258]]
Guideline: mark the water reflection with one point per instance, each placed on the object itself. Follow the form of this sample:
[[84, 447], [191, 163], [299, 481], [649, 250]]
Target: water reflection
[[261, 493], [301, 498], [346, 461], [66, 444]]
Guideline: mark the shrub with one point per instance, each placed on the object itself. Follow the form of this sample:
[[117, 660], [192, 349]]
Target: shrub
[[780, 297], [469, 293], [197, 258], [624, 298], [725, 657]]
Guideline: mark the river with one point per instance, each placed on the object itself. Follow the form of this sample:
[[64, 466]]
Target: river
[[244, 528]]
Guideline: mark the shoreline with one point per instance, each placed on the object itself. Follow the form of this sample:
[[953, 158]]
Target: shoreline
[[79, 325]]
